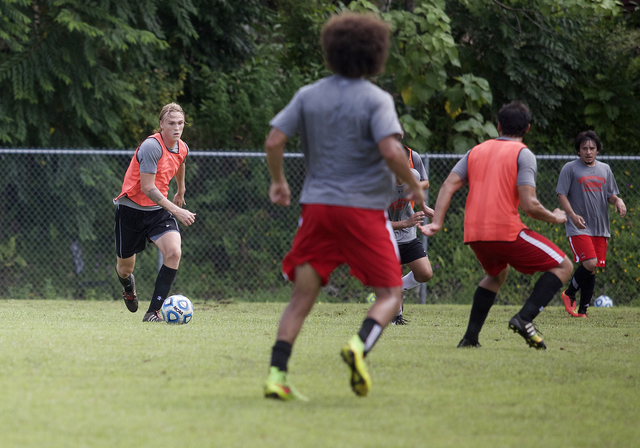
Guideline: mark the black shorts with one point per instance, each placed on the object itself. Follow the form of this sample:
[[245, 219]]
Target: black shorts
[[135, 227], [411, 251]]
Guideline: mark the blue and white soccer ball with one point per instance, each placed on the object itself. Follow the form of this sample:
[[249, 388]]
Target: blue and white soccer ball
[[177, 309], [603, 302]]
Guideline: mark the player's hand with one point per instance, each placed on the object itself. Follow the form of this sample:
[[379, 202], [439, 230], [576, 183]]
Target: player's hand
[[578, 221], [280, 194], [428, 212], [416, 219], [185, 216], [560, 216], [178, 199], [429, 229], [620, 207]]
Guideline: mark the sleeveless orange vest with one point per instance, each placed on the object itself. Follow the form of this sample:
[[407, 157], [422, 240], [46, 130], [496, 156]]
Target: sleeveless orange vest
[[167, 168], [491, 211]]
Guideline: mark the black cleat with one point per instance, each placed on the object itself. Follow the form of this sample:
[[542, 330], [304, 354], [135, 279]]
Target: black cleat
[[528, 331], [131, 298], [399, 320], [464, 343], [152, 316]]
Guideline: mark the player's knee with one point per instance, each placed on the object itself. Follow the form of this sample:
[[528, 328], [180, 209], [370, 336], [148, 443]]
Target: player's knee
[[423, 276], [590, 265], [172, 255]]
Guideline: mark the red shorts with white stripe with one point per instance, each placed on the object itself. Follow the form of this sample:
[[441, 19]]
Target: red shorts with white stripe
[[585, 247], [330, 235], [529, 253]]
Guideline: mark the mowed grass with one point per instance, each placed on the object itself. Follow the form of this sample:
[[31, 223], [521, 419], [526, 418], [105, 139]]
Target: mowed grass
[[91, 374]]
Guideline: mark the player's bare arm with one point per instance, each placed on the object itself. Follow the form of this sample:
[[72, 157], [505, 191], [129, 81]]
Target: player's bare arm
[[412, 221], [279, 192], [148, 187], [396, 158], [618, 205], [530, 204], [178, 199], [577, 220], [452, 184]]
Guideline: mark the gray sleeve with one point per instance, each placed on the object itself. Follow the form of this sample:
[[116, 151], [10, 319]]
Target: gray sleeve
[[462, 167], [148, 155], [288, 119], [384, 119], [527, 168], [564, 180], [419, 166]]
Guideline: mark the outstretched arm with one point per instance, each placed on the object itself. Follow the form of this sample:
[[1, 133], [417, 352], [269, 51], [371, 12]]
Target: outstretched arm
[[279, 192], [531, 206], [452, 184]]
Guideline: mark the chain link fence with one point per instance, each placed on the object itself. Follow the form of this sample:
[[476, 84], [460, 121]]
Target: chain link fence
[[57, 216]]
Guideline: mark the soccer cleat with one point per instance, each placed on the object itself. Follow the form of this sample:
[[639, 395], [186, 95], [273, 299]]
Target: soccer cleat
[[278, 387], [569, 303], [581, 312], [131, 298], [152, 316], [528, 331], [353, 356], [464, 343], [399, 320]]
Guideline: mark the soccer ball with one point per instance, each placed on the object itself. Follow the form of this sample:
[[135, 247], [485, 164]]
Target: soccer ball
[[603, 302], [177, 309], [371, 298]]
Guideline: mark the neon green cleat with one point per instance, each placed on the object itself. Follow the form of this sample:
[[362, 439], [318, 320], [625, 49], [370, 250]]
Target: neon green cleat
[[278, 387], [353, 355]]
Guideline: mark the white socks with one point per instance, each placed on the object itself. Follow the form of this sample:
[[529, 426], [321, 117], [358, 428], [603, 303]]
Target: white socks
[[409, 282]]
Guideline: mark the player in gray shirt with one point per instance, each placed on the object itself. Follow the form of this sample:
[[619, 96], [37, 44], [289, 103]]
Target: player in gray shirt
[[404, 221], [348, 129], [585, 189]]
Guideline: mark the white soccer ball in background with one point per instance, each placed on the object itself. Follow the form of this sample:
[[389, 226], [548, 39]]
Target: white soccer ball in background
[[177, 309], [603, 302]]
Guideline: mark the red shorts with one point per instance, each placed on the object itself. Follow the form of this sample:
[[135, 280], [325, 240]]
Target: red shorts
[[330, 235], [585, 247], [529, 253]]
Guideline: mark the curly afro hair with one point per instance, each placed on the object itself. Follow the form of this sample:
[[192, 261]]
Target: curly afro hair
[[355, 45]]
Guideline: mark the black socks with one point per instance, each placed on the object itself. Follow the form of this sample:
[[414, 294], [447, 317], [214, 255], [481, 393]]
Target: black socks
[[165, 279], [482, 302], [126, 283], [579, 277], [369, 333], [280, 355], [543, 291]]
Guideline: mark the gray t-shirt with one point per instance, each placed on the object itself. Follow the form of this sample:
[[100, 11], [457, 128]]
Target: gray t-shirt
[[148, 155], [400, 209], [340, 121], [527, 167], [588, 188]]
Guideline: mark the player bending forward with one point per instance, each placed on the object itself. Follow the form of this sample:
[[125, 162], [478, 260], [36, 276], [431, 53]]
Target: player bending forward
[[502, 176], [585, 188], [404, 221], [348, 130]]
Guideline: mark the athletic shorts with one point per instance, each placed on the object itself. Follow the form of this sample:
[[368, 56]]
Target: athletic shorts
[[331, 235], [585, 247], [529, 253], [135, 227], [411, 251]]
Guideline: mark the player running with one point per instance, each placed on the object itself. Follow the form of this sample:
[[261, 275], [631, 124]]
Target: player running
[[348, 130], [145, 214], [585, 189], [502, 176]]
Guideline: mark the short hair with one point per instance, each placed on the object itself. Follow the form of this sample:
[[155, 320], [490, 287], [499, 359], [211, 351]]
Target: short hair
[[514, 118], [583, 137], [355, 45], [167, 109]]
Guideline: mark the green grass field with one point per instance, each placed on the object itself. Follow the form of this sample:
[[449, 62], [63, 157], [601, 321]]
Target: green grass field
[[90, 374]]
